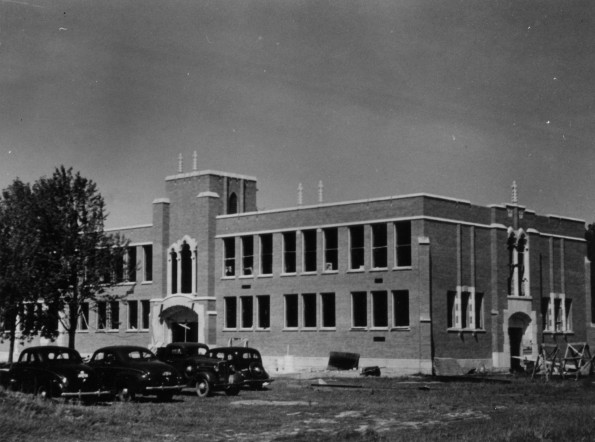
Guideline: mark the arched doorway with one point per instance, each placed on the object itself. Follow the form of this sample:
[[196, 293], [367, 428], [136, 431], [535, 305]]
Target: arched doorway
[[182, 323], [520, 338]]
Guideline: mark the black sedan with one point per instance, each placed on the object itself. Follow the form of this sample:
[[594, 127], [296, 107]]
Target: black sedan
[[245, 361], [132, 370], [52, 372]]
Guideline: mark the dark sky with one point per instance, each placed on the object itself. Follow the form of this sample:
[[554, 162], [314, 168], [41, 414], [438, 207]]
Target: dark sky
[[374, 98]]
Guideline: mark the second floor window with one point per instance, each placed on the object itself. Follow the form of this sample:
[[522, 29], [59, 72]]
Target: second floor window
[[289, 252]]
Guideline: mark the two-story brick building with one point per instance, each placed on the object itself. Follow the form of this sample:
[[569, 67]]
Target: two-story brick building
[[399, 280]]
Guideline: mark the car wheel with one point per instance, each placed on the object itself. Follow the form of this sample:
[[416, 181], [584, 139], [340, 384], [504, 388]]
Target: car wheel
[[203, 388], [165, 396], [43, 392], [259, 386], [125, 394], [232, 391]]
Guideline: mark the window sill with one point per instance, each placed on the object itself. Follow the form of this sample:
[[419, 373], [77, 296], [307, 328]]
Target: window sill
[[553, 333], [328, 329], [289, 274], [308, 329], [291, 329], [466, 330], [310, 273], [403, 268], [401, 328], [82, 331], [246, 277], [230, 329], [260, 329], [228, 277], [137, 330], [146, 282], [379, 269], [265, 275], [527, 298], [379, 328], [359, 328], [330, 272], [356, 270]]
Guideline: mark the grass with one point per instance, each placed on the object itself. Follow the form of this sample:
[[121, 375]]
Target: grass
[[294, 410]]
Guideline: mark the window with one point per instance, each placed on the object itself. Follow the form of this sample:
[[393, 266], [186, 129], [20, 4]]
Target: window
[[403, 243], [331, 249], [291, 311], [379, 246], [266, 254], [518, 258], [186, 268], [379, 309], [119, 267], [174, 271], [247, 255], [558, 315], [101, 315], [230, 256], [145, 314], [356, 247], [232, 204], [83, 319], [401, 308], [289, 252], [247, 311], [309, 237], [131, 264], [148, 263], [132, 315], [231, 312], [114, 315], [328, 310], [359, 309], [264, 311], [465, 310], [309, 303]]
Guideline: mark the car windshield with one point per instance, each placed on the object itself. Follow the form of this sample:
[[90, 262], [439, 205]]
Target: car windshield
[[196, 350], [61, 356], [140, 355]]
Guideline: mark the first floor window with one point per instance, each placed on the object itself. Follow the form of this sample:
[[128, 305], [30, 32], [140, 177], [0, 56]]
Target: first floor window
[[557, 313], [264, 311], [309, 301], [83, 319], [359, 309], [291, 311], [231, 312], [401, 308], [247, 311], [465, 310], [114, 315], [101, 315], [145, 314], [379, 309], [132, 315], [328, 310]]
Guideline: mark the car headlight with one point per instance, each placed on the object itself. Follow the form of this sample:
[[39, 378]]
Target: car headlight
[[63, 381], [189, 369], [146, 375]]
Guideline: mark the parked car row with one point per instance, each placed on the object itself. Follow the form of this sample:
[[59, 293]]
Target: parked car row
[[123, 372]]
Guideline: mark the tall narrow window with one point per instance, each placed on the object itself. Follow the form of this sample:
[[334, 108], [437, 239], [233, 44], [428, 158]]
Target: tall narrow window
[[132, 315], [328, 310], [186, 267], [403, 243], [145, 314], [379, 246], [291, 311], [119, 268], [229, 245], [309, 250], [148, 263], [356, 247], [568, 314], [289, 252], [174, 271], [247, 311], [558, 314], [232, 204], [131, 264], [101, 315], [451, 300], [231, 312], [479, 311], [379, 309], [465, 309], [359, 309], [114, 315], [266, 254], [401, 308], [309, 303], [264, 311], [247, 255], [331, 249], [83, 319]]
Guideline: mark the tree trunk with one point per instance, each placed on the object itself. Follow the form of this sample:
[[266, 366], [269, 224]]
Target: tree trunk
[[73, 315]]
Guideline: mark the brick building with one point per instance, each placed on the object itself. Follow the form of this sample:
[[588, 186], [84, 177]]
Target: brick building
[[399, 280]]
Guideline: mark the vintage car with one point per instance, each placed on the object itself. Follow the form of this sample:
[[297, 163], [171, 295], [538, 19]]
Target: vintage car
[[201, 372], [130, 370], [53, 372], [245, 361]]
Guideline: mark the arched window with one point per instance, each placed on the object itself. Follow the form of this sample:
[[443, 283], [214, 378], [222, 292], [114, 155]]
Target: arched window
[[174, 271], [232, 204], [186, 266]]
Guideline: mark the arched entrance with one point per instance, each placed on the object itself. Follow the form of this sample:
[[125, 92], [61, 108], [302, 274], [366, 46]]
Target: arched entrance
[[182, 323], [520, 337]]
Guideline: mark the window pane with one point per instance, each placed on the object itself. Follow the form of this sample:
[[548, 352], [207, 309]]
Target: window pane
[[403, 243], [146, 311], [230, 312], [114, 312], [359, 307], [83, 322], [309, 300], [479, 310], [401, 308], [380, 309], [247, 255], [379, 246], [331, 249], [289, 252], [451, 309], [291, 311], [266, 254], [132, 315], [131, 264], [356, 247], [247, 311], [309, 237], [148, 263], [328, 310], [264, 311], [229, 256], [101, 315]]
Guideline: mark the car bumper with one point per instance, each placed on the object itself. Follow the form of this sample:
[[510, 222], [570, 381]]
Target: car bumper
[[253, 382], [85, 394], [159, 388]]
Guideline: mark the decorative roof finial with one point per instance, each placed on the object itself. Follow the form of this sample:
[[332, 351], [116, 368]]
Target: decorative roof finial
[[320, 188], [300, 194], [194, 160], [515, 198], [180, 163]]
